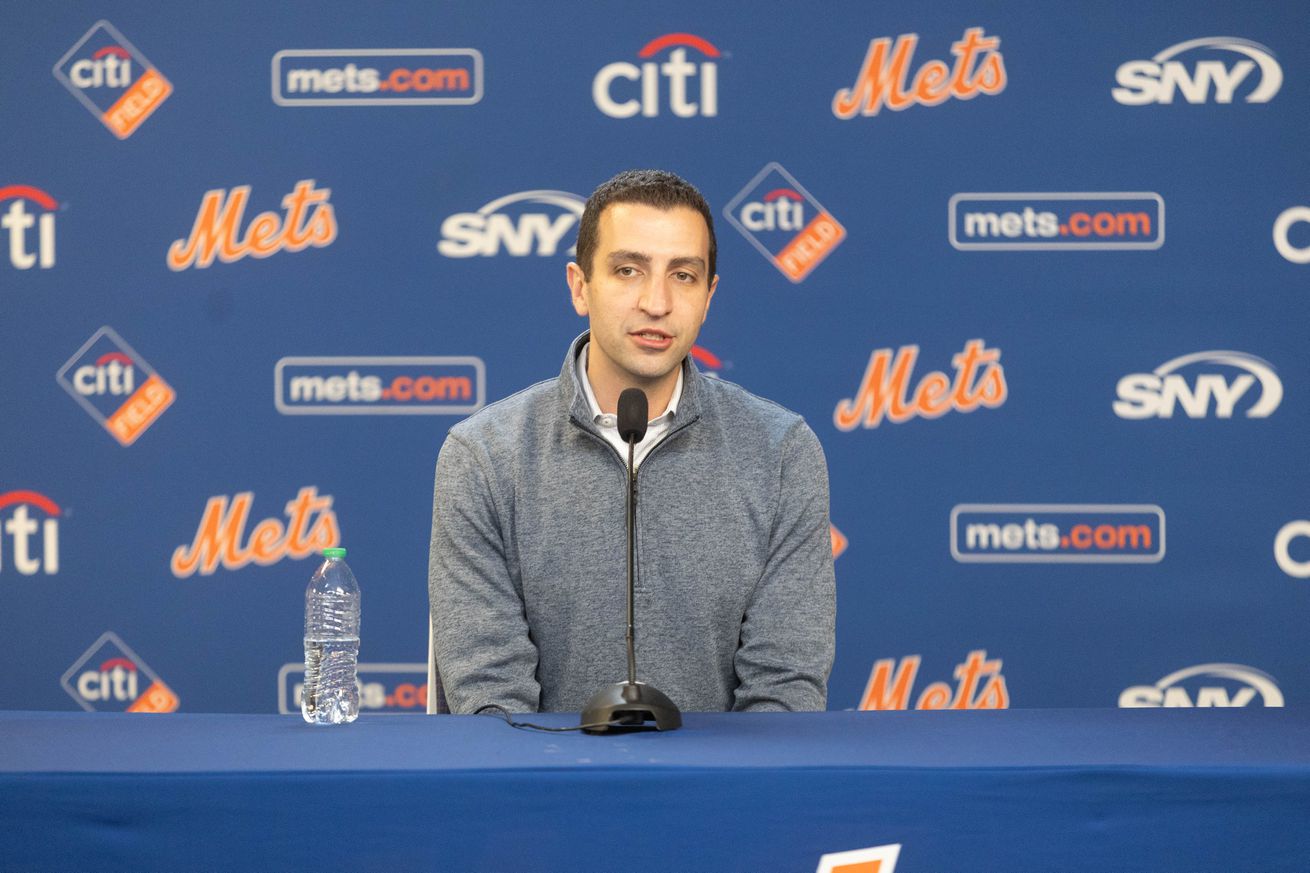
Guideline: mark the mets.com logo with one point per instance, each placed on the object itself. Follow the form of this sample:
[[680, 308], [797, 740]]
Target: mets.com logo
[[1206, 685], [112, 79], [784, 222], [115, 386], [111, 677], [1056, 221], [1057, 533], [384, 689], [377, 77], [380, 386]]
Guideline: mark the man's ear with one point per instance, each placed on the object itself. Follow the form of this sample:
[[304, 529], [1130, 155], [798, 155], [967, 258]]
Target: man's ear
[[577, 287]]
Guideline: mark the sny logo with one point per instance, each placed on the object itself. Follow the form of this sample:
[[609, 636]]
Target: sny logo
[[679, 72], [1158, 393], [18, 221], [891, 690], [1209, 684], [512, 222], [20, 526], [1157, 80], [222, 528], [885, 389], [884, 76], [115, 386], [215, 233], [784, 222], [110, 676], [112, 79]]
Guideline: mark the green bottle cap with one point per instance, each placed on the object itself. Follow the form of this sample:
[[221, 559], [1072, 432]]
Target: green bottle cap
[[334, 553]]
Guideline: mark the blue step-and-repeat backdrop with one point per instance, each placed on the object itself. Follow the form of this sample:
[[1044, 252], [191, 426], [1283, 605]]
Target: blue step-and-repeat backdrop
[[1038, 278]]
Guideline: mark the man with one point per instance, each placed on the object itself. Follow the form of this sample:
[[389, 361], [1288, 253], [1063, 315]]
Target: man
[[735, 589]]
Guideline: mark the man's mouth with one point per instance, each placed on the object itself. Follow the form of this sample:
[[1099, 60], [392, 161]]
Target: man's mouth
[[652, 339]]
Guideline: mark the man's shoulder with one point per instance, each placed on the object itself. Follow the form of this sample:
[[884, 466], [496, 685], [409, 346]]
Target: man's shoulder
[[504, 422], [736, 407]]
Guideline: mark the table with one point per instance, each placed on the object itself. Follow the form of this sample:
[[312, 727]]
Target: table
[[1018, 790]]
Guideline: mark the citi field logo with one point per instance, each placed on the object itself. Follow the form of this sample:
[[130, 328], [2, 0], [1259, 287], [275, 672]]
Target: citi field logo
[[623, 89], [784, 222], [384, 689], [377, 77], [112, 79], [1210, 384], [885, 391], [111, 677], [1056, 221], [115, 386], [1057, 533], [1206, 685], [1287, 562], [978, 685], [380, 386], [1287, 219], [522, 224], [875, 859], [311, 526], [1200, 71], [308, 220], [32, 541], [884, 79], [839, 541], [18, 219]]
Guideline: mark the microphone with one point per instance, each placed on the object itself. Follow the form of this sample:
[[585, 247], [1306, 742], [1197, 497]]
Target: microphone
[[631, 704]]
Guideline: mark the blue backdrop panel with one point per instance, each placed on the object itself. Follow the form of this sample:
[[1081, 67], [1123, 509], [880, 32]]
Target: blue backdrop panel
[[1037, 279]]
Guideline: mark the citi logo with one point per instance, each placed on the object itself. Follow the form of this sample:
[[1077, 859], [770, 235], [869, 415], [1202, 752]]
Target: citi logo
[[30, 556], [308, 220], [18, 220], [511, 223], [884, 79], [784, 222], [885, 391], [874, 859], [1229, 62], [115, 386], [1159, 393], [622, 89], [110, 676], [1297, 254], [1206, 685], [978, 685], [114, 81], [1287, 562], [311, 526]]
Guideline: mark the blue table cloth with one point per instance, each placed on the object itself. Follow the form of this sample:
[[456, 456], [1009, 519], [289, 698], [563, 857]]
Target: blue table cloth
[[1019, 790]]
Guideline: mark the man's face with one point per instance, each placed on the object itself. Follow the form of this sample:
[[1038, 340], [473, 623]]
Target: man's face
[[646, 298]]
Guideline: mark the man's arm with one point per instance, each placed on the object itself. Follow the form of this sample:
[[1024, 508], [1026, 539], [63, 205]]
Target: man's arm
[[483, 650], [787, 634]]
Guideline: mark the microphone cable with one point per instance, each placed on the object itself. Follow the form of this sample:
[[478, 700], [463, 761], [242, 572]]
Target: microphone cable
[[527, 725]]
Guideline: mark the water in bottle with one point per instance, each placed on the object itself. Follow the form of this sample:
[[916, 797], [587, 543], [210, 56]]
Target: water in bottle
[[331, 695]]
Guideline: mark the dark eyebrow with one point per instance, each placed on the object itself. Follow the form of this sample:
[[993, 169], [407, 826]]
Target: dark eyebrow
[[697, 263], [621, 256]]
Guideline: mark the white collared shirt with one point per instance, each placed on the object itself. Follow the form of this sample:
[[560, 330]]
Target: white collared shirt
[[656, 428]]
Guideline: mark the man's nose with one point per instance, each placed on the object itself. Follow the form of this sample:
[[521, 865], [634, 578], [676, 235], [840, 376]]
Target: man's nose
[[656, 299]]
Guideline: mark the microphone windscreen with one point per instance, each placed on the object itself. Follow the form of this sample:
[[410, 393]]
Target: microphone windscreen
[[632, 415]]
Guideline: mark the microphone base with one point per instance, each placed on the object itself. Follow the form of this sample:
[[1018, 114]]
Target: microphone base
[[629, 706]]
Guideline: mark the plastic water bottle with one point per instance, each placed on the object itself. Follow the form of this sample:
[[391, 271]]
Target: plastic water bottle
[[331, 643]]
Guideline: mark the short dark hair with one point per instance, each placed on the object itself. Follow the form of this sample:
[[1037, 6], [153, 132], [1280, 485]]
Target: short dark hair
[[658, 188]]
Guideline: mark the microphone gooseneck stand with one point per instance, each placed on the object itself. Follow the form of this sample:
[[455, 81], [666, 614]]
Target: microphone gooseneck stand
[[631, 704]]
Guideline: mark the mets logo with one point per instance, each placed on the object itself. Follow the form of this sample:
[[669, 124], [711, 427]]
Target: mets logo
[[112, 79], [115, 386], [308, 220], [110, 676], [18, 221], [784, 222], [978, 685], [623, 89], [884, 78], [885, 390], [311, 526]]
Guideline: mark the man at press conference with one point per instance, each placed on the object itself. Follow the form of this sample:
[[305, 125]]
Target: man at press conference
[[734, 588]]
